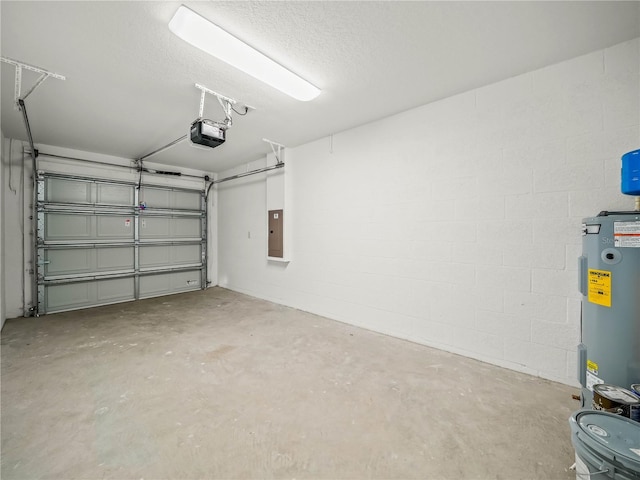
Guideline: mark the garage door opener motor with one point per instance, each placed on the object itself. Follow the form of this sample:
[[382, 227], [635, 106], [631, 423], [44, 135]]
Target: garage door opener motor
[[209, 133]]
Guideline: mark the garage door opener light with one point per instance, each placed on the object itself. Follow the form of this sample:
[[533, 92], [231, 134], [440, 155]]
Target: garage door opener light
[[201, 33]]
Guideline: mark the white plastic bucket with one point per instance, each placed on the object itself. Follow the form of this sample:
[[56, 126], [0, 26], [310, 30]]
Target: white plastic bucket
[[607, 446]]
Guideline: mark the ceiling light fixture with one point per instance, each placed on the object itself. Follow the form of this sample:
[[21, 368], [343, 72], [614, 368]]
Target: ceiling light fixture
[[201, 33]]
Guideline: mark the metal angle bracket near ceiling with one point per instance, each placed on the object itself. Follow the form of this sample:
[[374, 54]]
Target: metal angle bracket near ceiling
[[277, 151], [225, 102], [276, 148], [44, 74], [206, 132]]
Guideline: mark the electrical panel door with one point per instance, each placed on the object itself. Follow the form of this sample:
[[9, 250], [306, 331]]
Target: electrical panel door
[[276, 236]]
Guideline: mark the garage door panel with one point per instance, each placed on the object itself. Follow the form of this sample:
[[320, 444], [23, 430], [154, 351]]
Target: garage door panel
[[117, 258], [186, 227], [167, 255], [155, 285], [112, 194], [68, 191], [170, 227], [185, 281], [77, 261], [67, 296], [86, 227], [186, 200], [171, 199], [154, 256], [114, 227], [68, 261], [86, 294], [155, 197], [168, 283], [117, 289], [61, 227], [94, 247], [183, 254], [155, 227]]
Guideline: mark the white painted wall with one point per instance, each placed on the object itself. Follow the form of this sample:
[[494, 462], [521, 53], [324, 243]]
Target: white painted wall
[[15, 270], [16, 198], [455, 224]]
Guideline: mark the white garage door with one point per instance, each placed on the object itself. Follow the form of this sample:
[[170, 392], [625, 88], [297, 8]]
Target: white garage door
[[102, 241]]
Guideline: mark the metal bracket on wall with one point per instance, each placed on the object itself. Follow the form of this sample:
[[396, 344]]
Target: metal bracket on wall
[[18, 79], [278, 152], [225, 102]]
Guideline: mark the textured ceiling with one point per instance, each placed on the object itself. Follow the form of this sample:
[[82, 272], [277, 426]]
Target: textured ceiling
[[130, 81]]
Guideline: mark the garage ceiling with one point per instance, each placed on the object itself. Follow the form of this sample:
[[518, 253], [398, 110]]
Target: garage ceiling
[[130, 81]]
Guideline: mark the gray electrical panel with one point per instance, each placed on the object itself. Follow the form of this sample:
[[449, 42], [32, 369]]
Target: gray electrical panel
[[609, 280]]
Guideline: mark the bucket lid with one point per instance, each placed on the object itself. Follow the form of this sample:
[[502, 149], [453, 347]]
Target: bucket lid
[[617, 394], [611, 433]]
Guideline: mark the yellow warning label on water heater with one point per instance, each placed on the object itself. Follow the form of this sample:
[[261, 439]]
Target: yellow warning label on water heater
[[600, 287], [592, 367]]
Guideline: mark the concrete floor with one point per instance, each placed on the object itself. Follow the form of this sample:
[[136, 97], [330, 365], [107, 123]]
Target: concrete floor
[[216, 384]]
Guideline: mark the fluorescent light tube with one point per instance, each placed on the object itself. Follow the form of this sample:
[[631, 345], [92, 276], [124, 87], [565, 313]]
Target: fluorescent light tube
[[201, 33]]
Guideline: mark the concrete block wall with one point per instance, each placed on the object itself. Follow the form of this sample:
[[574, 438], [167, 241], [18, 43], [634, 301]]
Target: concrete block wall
[[455, 224]]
